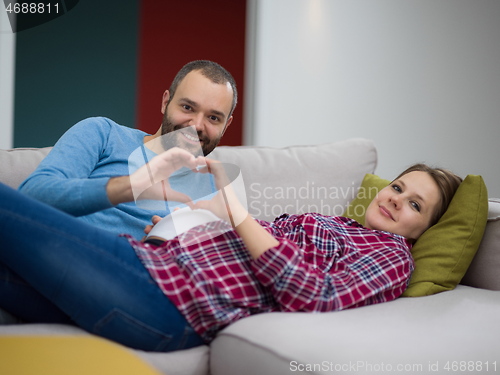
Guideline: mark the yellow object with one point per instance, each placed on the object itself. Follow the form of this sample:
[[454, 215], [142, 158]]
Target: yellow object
[[67, 355]]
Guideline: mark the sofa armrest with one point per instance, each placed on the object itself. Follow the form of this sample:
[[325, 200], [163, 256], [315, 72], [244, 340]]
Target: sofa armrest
[[484, 271], [17, 164]]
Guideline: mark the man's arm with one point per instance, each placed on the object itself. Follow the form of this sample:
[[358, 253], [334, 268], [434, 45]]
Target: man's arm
[[64, 178], [119, 190]]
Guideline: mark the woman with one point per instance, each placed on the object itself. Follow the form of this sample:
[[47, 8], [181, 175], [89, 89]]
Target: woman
[[171, 296]]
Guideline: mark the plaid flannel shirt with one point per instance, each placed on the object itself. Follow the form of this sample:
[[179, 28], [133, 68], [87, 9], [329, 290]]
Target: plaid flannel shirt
[[322, 263]]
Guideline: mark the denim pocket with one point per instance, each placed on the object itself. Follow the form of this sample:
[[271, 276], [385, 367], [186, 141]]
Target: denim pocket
[[125, 329]]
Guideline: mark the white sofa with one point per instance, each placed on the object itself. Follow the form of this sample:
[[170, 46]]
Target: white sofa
[[448, 332]]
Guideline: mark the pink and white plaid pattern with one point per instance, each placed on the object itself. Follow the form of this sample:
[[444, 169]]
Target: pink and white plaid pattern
[[321, 264]]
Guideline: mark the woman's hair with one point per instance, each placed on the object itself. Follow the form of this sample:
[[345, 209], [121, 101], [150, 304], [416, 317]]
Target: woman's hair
[[446, 181]]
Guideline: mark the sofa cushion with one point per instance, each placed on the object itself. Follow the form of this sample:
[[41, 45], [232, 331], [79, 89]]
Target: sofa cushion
[[318, 178], [404, 336], [484, 271], [17, 164], [444, 252]]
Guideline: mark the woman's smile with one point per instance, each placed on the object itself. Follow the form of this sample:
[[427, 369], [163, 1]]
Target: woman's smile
[[386, 212]]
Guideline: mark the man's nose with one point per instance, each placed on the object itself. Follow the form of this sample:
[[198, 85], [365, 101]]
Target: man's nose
[[197, 121]]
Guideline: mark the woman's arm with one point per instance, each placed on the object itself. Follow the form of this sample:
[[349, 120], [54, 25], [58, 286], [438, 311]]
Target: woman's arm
[[256, 239], [376, 274], [366, 277], [227, 206]]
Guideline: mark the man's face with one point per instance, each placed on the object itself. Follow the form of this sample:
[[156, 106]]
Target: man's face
[[200, 103]]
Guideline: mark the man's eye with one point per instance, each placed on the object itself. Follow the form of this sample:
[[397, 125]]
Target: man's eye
[[186, 107], [214, 118]]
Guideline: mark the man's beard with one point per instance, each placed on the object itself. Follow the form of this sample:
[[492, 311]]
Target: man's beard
[[167, 127]]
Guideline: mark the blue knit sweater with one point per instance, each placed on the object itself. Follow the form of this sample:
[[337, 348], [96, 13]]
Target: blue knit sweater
[[74, 175]]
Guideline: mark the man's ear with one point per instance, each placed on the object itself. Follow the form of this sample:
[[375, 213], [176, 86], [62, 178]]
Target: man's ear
[[164, 101], [229, 121]]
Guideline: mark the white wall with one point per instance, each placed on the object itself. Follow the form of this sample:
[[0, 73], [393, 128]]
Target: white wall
[[419, 77], [7, 53]]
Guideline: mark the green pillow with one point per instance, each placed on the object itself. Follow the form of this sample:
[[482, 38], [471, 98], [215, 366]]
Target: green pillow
[[369, 188], [444, 252]]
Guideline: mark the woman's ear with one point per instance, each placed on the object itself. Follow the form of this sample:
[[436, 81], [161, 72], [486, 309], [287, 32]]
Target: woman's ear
[[164, 101]]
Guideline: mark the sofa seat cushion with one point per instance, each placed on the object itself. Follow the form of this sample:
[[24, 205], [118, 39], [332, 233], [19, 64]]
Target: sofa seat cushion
[[406, 335]]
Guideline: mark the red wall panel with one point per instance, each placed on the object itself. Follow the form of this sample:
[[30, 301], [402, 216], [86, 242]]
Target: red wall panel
[[174, 32]]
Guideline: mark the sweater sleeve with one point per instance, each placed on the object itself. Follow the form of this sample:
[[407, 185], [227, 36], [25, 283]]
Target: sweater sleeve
[[63, 178], [378, 275]]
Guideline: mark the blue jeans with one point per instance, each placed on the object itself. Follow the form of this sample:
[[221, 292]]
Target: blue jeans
[[55, 268]]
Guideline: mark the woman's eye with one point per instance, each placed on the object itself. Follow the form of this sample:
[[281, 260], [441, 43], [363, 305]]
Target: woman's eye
[[397, 188], [415, 205]]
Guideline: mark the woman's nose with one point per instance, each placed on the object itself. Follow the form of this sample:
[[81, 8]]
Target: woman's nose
[[395, 199]]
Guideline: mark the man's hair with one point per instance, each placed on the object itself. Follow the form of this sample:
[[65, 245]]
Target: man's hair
[[213, 71], [447, 182]]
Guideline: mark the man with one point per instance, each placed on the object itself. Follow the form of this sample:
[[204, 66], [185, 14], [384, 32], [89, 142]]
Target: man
[[87, 172]]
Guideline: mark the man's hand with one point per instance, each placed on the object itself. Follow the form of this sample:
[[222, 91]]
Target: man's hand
[[155, 220], [151, 180]]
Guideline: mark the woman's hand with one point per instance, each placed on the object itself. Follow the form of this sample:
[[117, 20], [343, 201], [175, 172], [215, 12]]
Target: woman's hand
[[225, 204]]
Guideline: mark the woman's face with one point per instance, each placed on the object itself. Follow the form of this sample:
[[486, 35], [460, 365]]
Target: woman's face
[[405, 207]]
